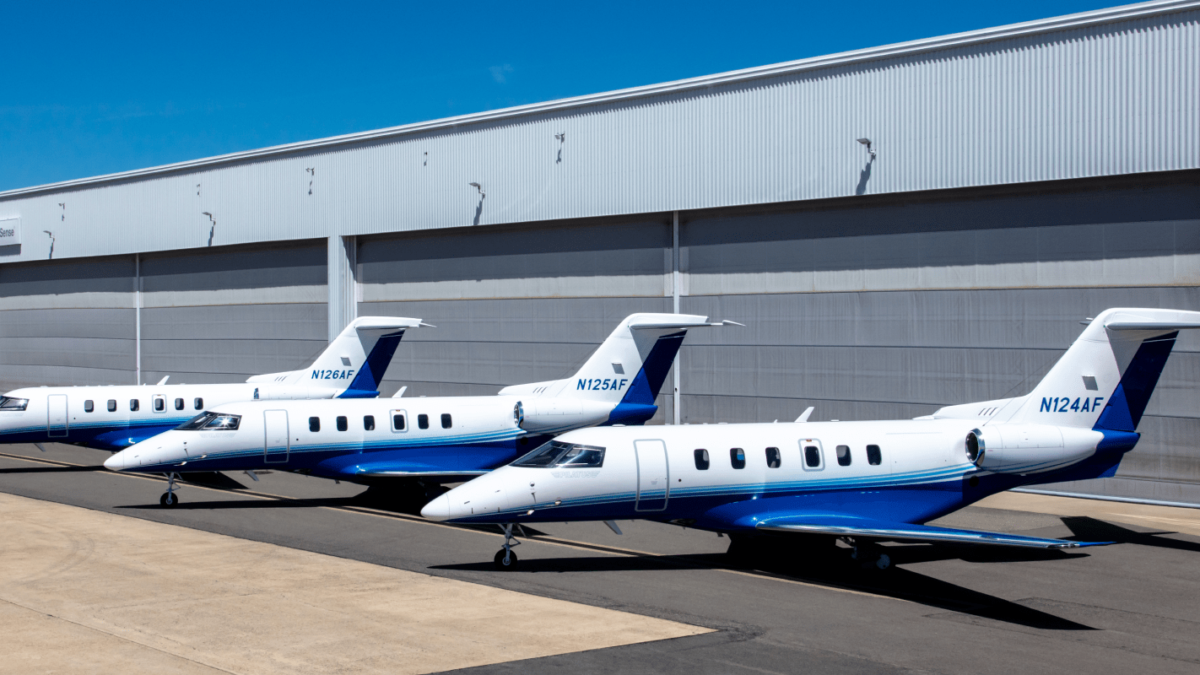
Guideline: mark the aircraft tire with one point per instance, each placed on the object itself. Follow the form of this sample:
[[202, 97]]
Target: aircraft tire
[[499, 563], [168, 500]]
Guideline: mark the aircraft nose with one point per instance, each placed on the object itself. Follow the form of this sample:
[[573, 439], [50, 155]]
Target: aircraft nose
[[116, 462], [438, 509]]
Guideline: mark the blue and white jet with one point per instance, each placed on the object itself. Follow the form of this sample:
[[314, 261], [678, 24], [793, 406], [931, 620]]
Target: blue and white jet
[[415, 443], [863, 481], [117, 417]]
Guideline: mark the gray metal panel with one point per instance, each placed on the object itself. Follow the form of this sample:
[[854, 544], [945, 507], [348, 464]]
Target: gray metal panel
[[230, 343], [480, 346], [66, 347], [282, 264], [1100, 94], [96, 275]]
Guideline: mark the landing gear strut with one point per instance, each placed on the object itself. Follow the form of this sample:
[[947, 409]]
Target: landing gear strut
[[505, 559], [169, 500], [869, 555]]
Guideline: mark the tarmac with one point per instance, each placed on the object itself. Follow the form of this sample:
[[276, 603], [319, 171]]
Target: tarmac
[[303, 575]]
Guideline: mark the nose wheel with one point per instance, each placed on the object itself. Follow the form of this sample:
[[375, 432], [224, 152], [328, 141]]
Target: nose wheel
[[505, 560], [169, 499]]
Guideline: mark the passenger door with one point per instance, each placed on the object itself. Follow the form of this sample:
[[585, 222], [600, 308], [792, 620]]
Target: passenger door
[[56, 416], [276, 442], [653, 476]]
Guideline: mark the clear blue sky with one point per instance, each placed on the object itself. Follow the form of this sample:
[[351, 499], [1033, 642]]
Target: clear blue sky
[[95, 88]]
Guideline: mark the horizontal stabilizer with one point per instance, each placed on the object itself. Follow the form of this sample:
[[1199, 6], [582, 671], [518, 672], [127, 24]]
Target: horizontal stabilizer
[[848, 526], [1152, 325]]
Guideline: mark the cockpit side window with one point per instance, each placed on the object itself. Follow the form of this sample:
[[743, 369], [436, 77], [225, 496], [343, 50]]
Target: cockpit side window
[[210, 421], [558, 454], [10, 403]]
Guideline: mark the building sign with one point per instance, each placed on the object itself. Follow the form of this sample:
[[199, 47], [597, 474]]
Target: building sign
[[10, 231]]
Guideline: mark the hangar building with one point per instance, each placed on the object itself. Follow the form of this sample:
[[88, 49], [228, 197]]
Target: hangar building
[[1018, 180]]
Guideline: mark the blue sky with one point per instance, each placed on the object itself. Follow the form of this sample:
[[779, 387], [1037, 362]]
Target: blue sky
[[95, 88]]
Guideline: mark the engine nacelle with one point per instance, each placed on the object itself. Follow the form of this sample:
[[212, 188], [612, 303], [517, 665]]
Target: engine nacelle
[[1029, 448], [550, 414]]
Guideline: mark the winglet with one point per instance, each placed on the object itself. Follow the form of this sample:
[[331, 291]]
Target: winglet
[[804, 415]]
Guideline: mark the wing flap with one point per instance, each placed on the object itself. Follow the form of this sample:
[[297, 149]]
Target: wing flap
[[895, 531]]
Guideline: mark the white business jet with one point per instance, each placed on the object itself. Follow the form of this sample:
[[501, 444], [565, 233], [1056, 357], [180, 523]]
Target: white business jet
[[862, 481], [415, 443], [116, 417]]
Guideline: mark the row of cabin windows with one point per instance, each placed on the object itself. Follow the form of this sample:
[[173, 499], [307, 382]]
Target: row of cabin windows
[[160, 404], [398, 422], [812, 457]]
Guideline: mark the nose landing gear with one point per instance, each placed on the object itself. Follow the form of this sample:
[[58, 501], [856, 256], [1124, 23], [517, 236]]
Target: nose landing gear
[[169, 499], [505, 559]]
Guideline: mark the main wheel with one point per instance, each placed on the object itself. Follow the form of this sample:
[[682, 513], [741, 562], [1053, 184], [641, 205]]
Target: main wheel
[[168, 500], [501, 564]]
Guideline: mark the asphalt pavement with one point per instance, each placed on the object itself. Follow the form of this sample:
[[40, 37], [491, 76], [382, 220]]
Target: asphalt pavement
[[1130, 607]]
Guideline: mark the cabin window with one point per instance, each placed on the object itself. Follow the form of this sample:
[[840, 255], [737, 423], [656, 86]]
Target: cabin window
[[179, 404], [737, 457], [368, 423], [199, 404], [134, 404], [774, 459], [701, 459], [447, 422], [314, 424], [398, 421], [843, 455], [874, 456], [423, 421], [342, 423], [160, 405], [112, 405], [812, 457], [88, 406]]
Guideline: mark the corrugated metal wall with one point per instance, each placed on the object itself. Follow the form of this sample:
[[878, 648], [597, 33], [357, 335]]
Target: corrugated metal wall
[[1072, 102], [216, 315], [512, 305]]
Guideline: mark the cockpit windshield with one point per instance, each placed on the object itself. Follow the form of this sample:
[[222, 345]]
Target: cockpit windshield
[[211, 420], [9, 403], [556, 453]]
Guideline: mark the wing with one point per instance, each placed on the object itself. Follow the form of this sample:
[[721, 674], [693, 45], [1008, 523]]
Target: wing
[[849, 526]]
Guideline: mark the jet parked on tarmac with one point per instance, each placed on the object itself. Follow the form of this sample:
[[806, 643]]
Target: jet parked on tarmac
[[862, 481], [116, 417], [422, 441]]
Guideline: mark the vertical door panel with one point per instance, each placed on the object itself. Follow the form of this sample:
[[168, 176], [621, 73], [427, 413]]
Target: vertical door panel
[[56, 416], [654, 477], [276, 443]]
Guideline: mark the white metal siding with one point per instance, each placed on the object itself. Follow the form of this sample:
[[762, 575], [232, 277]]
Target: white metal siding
[[1061, 99]]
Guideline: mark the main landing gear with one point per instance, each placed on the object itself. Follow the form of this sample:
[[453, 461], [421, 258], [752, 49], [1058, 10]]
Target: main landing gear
[[169, 499], [505, 559], [869, 555]]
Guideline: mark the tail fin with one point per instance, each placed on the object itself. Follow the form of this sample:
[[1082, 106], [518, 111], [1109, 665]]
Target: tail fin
[[1105, 379], [356, 359], [628, 369]]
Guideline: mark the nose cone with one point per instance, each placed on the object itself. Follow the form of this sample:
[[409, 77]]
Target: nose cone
[[116, 462], [438, 509]]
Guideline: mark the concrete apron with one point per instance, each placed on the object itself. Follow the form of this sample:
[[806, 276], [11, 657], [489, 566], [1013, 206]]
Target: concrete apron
[[86, 591]]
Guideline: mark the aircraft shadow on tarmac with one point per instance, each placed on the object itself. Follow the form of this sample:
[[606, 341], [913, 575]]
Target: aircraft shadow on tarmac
[[840, 572], [1091, 529], [51, 469]]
